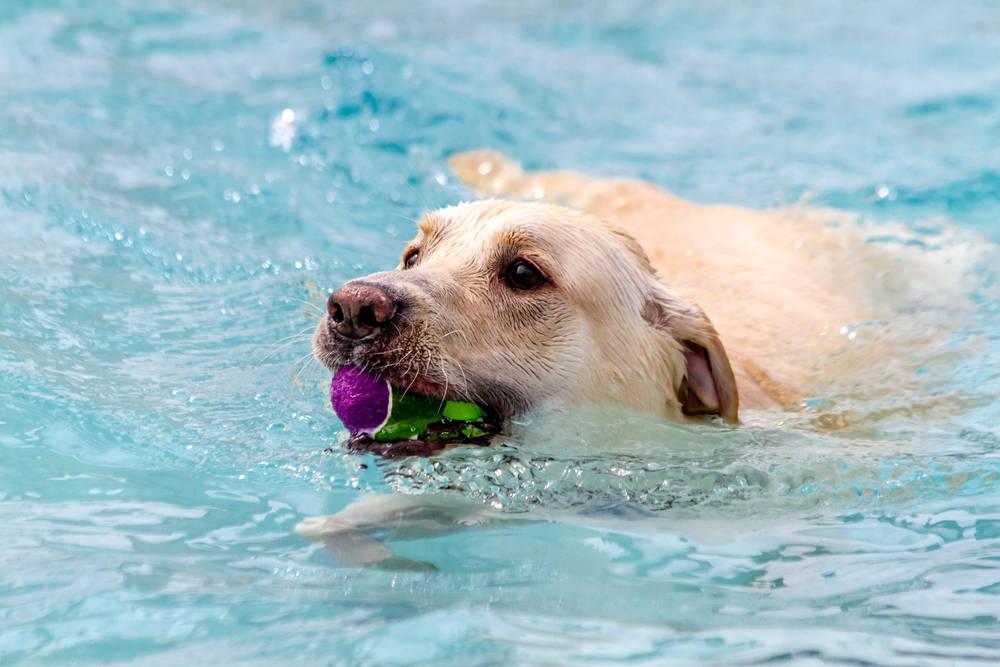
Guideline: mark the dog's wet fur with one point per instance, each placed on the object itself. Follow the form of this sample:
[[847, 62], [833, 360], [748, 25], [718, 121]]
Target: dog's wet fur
[[592, 294]]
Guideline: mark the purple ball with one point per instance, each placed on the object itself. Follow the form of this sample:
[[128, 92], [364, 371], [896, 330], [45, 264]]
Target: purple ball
[[360, 399]]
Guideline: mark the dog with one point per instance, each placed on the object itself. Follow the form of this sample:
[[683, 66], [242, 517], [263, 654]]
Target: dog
[[625, 295], [564, 291]]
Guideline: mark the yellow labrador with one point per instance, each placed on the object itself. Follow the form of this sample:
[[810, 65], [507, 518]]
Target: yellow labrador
[[615, 293], [627, 296]]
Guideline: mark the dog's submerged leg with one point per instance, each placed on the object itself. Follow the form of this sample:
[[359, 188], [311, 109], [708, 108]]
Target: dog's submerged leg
[[356, 535]]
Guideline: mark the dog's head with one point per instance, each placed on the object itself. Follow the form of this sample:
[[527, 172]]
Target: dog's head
[[521, 305]]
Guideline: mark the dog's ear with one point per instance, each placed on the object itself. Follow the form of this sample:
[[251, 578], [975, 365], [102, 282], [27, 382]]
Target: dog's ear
[[709, 386]]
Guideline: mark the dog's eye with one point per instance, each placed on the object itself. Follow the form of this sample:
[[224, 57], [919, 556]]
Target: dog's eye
[[522, 274], [410, 258]]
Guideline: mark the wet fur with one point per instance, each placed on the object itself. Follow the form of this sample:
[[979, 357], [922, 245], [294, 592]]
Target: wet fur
[[779, 286]]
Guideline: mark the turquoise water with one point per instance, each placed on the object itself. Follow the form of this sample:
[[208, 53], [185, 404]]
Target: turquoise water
[[180, 180]]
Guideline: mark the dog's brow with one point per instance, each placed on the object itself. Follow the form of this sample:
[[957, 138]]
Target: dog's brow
[[426, 225], [431, 226], [519, 238]]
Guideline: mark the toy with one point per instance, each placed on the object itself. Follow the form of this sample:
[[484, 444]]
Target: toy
[[369, 406]]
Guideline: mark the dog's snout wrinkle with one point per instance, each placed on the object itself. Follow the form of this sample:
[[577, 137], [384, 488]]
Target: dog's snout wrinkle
[[360, 310]]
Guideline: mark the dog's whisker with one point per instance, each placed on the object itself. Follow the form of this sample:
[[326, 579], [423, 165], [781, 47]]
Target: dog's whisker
[[456, 331], [412, 358], [305, 331], [408, 387], [465, 378], [301, 331], [404, 217], [444, 396], [284, 344], [312, 305], [277, 350], [405, 391], [303, 363], [423, 200]]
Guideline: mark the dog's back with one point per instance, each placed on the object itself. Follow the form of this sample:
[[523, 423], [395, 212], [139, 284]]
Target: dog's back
[[795, 293]]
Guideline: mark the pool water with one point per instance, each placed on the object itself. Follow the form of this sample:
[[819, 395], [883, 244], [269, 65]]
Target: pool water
[[182, 181]]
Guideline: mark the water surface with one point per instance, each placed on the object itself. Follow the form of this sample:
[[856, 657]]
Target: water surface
[[181, 181]]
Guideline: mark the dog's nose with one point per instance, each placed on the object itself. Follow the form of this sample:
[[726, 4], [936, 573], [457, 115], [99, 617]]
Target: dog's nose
[[358, 310]]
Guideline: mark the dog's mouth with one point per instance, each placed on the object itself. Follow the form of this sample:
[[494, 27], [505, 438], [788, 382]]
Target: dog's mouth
[[412, 363]]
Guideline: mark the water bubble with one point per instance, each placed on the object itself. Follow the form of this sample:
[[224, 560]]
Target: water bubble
[[884, 192], [283, 129]]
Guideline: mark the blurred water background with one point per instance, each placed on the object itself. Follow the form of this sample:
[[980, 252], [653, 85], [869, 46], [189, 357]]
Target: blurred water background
[[181, 180]]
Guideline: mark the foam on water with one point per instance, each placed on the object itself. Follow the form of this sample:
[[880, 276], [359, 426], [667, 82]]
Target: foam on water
[[182, 181]]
